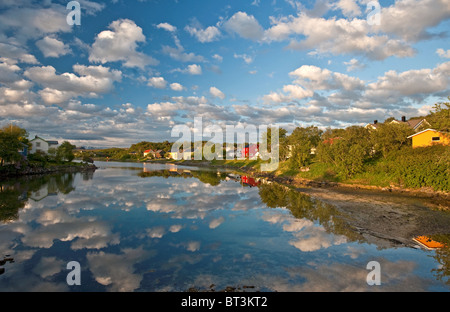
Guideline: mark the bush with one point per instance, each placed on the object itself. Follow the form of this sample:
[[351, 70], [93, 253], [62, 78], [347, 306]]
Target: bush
[[421, 167]]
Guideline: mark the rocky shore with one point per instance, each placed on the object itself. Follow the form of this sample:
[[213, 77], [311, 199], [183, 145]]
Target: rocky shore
[[12, 171]]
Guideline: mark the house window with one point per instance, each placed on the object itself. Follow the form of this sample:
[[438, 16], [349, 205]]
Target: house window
[[38, 144], [435, 139]]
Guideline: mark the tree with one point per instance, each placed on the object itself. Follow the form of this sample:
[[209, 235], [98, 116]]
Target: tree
[[11, 139], [65, 151], [390, 137], [439, 119], [302, 140], [348, 152]]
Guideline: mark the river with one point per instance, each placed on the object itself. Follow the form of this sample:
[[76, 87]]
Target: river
[[155, 227]]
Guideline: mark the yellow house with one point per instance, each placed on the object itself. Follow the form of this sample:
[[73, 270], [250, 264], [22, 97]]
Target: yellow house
[[429, 137]]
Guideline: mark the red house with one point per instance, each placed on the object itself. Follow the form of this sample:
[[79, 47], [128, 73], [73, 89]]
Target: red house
[[250, 151]]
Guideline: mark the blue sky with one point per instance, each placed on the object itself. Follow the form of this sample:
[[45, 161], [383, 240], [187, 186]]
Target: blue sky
[[134, 69]]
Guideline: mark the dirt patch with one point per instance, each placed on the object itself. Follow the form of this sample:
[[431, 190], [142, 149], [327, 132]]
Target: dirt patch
[[387, 219]]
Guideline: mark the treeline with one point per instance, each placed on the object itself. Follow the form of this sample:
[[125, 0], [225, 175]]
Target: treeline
[[383, 155], [133, 153]]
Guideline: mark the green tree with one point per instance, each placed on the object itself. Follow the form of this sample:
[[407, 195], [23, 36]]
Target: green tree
[[302, 140], [11, 139], [439, 119], [389, 137], [65, 151], [347, 152]]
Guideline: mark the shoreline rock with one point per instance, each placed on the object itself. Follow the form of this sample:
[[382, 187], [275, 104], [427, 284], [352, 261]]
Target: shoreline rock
[[11, 171]]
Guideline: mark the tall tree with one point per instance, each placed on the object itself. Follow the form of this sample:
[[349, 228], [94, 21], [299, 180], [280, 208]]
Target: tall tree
[[11, 139], [65, 151], [439, 119], [302, 140], [390, 137]]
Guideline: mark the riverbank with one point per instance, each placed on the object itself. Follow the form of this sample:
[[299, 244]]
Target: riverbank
[[441, 198], [11, 171], [386, 217]]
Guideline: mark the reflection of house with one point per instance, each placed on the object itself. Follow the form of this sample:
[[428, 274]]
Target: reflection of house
[[42, 193], [429, 137], [427, 242], [39, 144], [249, 181]]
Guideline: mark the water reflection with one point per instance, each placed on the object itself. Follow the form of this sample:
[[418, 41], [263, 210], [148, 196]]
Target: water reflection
[[15, 193], [141, 227]]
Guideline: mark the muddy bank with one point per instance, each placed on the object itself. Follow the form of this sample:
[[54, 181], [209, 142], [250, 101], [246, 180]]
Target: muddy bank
[[386, 217]]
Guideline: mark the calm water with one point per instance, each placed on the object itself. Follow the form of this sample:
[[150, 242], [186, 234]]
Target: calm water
[[135, 227]]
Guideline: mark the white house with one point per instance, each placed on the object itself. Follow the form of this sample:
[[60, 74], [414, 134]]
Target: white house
[[39, 144]]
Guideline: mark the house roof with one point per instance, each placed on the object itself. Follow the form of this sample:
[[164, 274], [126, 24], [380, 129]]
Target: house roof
[[37, 138], [49, 142], [412, 123], [422, 132], [374, 125]]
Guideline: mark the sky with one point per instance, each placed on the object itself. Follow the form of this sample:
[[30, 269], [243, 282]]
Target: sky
[[132, 70]]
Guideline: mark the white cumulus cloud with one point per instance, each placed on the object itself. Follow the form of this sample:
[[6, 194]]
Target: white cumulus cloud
[[120, 44]]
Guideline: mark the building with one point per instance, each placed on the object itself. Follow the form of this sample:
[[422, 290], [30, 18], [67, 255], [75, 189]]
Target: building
[[40, 145], [416, 124], [176, 155], [372, 126], [429, 137], [250, 151], [188, 153], [149, 152], [23, 150]]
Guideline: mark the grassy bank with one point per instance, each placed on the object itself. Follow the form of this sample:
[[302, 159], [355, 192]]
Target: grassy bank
[[418, 170]]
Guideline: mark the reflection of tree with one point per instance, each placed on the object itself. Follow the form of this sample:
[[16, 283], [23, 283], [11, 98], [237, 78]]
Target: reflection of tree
[[303, 206], [10, 203], [208, 177], [442, 256], [14, 193]]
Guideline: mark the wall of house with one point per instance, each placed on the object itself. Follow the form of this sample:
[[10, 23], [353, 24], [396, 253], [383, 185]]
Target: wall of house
[[426, 139], [43, 146]]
